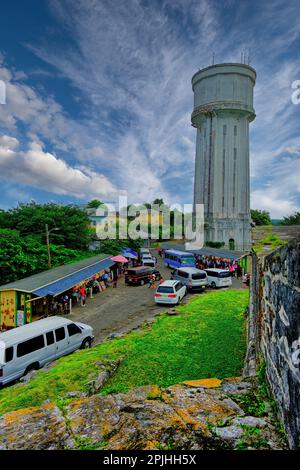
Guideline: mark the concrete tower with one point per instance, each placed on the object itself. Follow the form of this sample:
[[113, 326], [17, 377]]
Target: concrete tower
[[223, 108]]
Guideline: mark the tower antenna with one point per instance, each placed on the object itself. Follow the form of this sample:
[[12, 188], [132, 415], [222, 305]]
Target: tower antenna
[[213, 58]]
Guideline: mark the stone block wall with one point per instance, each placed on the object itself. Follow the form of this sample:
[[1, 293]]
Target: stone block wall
[[274, 330]]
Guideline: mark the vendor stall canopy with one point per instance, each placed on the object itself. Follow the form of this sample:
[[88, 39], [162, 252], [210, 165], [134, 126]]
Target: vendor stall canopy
[[58, 280]]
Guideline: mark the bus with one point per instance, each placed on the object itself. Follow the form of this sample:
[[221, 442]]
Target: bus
[[179, 259]]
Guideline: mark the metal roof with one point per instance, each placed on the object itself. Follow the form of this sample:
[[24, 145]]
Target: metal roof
[[206, 251], [60, 279]]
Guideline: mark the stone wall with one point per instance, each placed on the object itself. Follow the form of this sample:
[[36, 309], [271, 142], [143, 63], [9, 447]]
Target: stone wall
[[274, 330]]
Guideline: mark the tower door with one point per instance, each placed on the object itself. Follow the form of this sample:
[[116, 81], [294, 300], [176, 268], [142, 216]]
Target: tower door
[[231, 244]]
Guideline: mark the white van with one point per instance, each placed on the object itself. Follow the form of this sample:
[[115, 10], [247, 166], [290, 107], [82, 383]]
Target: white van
[[144, 251], [218, 277], [193, 278], [148, 261], [31, 346]]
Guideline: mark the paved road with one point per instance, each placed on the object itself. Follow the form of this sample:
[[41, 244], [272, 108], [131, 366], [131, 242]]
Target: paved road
[[122, 309]]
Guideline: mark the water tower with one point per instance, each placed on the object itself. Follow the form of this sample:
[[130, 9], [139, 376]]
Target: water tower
[[223, 109]]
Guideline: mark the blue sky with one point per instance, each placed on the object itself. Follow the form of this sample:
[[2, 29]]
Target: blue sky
[[99, 97]]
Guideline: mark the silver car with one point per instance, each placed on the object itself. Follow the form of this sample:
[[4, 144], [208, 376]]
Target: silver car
[[193, 278]]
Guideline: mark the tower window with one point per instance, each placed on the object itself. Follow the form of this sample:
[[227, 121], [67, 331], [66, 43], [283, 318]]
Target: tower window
[[234, 153], [235, 130], [224, 129]]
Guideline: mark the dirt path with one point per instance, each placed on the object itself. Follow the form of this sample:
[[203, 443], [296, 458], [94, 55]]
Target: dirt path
[[120, 310]]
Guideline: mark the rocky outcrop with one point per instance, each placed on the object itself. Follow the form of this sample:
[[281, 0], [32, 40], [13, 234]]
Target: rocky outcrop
[[35, 428], [193, 415]]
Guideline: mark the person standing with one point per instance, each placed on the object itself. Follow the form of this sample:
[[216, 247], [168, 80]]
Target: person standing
[[82, 292], [75, 295], [115, 278]]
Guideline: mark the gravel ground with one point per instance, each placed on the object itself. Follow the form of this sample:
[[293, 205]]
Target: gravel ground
[[120, 310]]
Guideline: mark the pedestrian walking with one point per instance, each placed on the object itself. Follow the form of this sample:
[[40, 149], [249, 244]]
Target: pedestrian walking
[[152, 281]]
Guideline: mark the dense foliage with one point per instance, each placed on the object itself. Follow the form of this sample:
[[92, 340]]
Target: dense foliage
[[72, 222], [293, 219], [114, 247], [212, 244], [23, 248], [94, 204], [260, 217], [22, 256]]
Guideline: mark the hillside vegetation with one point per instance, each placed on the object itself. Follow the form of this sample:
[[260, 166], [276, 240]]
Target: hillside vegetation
[[207, 339]]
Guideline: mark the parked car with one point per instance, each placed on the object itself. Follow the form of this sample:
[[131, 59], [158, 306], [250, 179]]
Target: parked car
[[193, 278], [31, 346], [144, 251], [170, 292], [218, 277], [146, 256], [148, 261], [139, 275]]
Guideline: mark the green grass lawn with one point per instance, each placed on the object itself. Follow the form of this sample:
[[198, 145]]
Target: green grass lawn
[[206, 340]]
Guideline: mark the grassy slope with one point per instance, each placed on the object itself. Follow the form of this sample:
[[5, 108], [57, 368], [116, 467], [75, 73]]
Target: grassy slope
[[206, 340]]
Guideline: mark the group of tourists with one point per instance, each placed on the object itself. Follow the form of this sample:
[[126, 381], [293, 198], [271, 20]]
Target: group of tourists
[[206, 262]]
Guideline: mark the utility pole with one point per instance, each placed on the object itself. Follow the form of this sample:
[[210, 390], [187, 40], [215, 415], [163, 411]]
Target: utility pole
[[48, 246], [48, 242]]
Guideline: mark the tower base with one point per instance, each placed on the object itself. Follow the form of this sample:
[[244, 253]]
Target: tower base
[[235, 233]]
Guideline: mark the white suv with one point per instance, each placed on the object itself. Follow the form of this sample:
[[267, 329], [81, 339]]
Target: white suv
[[170, 292]]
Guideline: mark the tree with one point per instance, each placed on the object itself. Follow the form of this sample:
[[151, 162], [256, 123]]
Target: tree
[[261, 217], [72, 221], [94, 204], [23, 256], [159, 202], [114, 247], [293, 219]]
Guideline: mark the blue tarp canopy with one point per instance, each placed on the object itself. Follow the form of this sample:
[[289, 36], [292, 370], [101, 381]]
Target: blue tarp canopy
[[67, 282], [129, 250]]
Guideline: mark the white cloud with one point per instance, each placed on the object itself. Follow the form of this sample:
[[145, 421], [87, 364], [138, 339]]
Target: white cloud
[[43, 170], [131, 64], [274, 201]]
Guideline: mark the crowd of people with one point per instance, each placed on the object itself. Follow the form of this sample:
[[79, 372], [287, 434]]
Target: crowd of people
[[205, 262]]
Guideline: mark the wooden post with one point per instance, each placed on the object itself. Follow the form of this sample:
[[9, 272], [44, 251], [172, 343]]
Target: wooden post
[[48, 246]]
